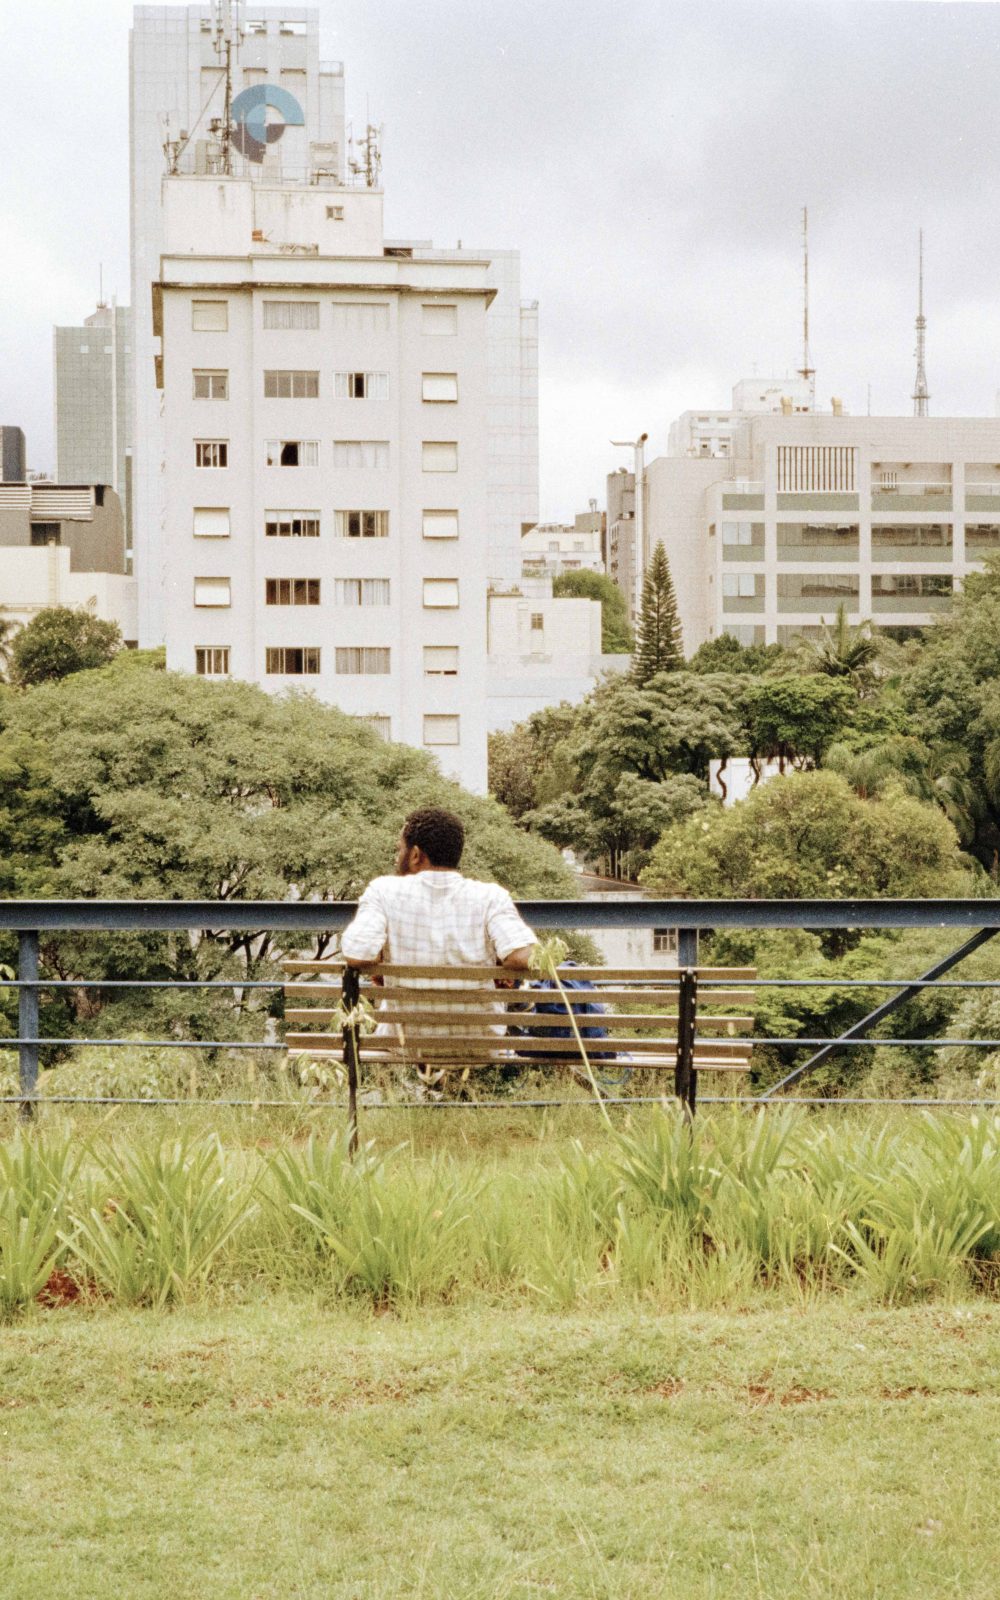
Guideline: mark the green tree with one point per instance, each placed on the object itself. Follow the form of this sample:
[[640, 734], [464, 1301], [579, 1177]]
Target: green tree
[[659, 647], [616, 635], [845, 652], [140, 784], [59, 641], [726, 654], [793, 720], [809, 836]]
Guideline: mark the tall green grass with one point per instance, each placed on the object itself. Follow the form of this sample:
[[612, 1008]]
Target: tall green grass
[[718, 1214]]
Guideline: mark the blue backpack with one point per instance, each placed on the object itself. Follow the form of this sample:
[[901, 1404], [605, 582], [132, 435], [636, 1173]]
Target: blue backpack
[[579, 1008]]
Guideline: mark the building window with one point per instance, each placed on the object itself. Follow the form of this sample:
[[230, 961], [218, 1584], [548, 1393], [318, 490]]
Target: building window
[[440, 524], [441, 593], [291, 591], [361, 385], [742, 533], [211, 522], [289, 314], [211, 452], [362, 591], [293, 384], [440, 730], [912, 583], [380, 725], [334, 213], [211, 591], [739, 584], [210, 316], [538, 622], [440, 455], [362, 660], [439, 319], [664, 941], [292, 661], [360, 316], [293, 452], [361, 453], [362, 524], [440, 386], [291, 524], [212, 385], [441, 660], [211, 660]]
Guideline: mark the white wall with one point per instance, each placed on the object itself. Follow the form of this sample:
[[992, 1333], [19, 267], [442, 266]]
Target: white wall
[[32, 579]]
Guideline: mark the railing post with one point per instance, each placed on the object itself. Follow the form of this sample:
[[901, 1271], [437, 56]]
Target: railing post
[[684, 1075], [27, 1020], [351, 995]]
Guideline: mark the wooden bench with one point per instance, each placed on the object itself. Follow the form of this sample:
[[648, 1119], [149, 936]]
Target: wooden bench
[[655, 1021]]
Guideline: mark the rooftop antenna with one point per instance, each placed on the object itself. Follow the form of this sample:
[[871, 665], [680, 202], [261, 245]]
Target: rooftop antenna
[[227, 36], [365, 155], [807, 370], [100, 283], [920, 394]]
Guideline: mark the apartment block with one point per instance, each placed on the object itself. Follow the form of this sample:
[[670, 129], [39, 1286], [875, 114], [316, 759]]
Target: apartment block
[[883, 515], [325, 404]]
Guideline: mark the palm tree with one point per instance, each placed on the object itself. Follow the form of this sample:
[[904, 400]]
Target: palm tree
[[846, 652]]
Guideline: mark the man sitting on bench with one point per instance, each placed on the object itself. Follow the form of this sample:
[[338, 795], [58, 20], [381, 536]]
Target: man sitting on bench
[[429, 915]]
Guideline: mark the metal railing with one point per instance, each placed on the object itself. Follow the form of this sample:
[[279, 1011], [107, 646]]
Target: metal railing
[[31, 921]]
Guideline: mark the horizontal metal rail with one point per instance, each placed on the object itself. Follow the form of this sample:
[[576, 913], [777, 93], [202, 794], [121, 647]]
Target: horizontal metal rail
[[33, 920], [329, 916]]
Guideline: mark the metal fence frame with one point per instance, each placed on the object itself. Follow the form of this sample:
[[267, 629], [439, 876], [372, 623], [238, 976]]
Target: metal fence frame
[[29, 919]]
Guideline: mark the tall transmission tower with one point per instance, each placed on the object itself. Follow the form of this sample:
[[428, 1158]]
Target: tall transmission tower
[[807, 370], [920, 392]]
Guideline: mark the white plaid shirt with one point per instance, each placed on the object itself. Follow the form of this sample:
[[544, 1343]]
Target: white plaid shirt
[[435, 918]]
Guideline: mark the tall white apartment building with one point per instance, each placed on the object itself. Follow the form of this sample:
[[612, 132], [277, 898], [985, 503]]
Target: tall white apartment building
[[883, 515], [326, 436]]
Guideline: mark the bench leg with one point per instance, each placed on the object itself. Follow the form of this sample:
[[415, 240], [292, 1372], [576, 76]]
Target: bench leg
[[351, 994]]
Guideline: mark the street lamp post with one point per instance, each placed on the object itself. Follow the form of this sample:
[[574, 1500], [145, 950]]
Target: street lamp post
[[638, 448]]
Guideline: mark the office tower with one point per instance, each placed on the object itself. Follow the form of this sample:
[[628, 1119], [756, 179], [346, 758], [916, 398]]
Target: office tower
[[13, 466], [93, 368]]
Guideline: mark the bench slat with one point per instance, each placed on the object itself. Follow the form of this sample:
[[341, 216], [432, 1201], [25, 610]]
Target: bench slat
[[475, 1044], [665, 1063], [395, 1014], [508, 997], [663, 974]]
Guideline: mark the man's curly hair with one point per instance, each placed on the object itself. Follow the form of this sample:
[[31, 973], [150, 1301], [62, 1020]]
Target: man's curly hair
[[439, 834]]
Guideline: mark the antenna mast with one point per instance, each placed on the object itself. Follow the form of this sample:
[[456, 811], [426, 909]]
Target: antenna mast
[[807, 370], [227, 34], [920, 393]]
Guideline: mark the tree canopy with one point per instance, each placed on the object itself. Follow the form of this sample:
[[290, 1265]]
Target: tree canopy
[[616, 635], [60, 641], [141, 784]]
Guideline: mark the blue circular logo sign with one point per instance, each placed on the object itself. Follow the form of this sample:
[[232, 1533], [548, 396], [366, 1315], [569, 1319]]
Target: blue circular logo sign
[[253, 132]]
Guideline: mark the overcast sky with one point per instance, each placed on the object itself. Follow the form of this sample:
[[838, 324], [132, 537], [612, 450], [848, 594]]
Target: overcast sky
[[649, 161]]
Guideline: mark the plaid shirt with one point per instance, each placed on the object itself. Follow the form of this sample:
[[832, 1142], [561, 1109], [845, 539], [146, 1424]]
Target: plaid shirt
[[436, 918]]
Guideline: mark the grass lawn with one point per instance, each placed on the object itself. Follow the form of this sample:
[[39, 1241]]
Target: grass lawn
[[275, 1447]]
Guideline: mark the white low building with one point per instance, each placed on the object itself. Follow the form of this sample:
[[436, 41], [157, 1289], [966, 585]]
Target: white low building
[[542, 651], [64, 545]]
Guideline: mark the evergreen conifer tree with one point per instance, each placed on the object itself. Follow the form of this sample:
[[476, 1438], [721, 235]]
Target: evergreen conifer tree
[[658, 645]]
